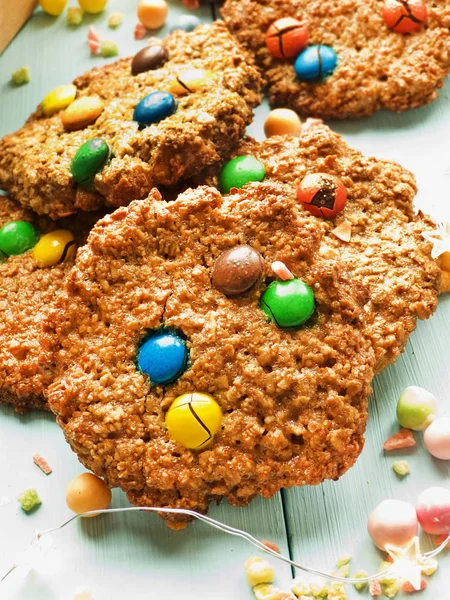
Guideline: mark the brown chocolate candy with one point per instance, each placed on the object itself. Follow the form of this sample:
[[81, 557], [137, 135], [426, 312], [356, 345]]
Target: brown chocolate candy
[[237, 270], [149, 58]]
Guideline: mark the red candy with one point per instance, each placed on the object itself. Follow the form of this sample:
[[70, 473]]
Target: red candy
[[404, 16], [433, 510], [322, 195], [286, 38]]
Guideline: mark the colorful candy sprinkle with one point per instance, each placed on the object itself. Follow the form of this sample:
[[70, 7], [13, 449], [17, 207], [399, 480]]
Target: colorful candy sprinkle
[[403, 439], [109, 48], [29, 499], [258, 570], [140, 32], [74, 16], [115, 20], [42, 464], [21, 76], [193, 420], [281, 271]]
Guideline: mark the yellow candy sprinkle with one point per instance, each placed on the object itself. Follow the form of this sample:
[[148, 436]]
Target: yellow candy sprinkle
[[115, 20], [192, 80], [53, 7], [21, 76], [193, 420], [58, 99], [74, 15], [55, 247]]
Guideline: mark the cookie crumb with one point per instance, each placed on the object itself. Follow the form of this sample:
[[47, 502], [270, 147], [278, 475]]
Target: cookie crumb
[[109, 48], [21, 76], [42, 464], [403, 439], [343, 231], [115, 20], [29, 499], [281, 271], [401, 467], [74, 16]]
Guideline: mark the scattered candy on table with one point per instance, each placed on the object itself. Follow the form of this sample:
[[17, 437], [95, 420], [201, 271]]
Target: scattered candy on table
[[154, 108], [21, 76], [437, 438], [74, 16], [58, 99], [239, 171], [433, 510], [322, 194], [282, 121], [360, 575], [288, 303], [300, 587], [258, 570], [94, 39], [286, 38], [266, 591], [87, 492], [115, 20], [42, 464], [54, 248], [343, 231], [375, 588], [17, 237], [410, 589], [392, 522], [315, 64], [401, 467], [186, 23], [53, 7], [93, 6], [237, 270], [405, 16], [403, 439], [89, 160], [29, 499], [82, 112], [140, 32], [416, 408], [109, 48], [192, 80], [148, 59], [163, 357], [152, 13], [271, 545], [193, 420]]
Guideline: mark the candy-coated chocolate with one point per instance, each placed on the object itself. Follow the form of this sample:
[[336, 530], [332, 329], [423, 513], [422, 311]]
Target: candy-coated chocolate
[[237, 270], [193, 420], [433, 510], [189, 81], [416, 408], [186, 23], [53, 7], [322, 194], [87, 492], [315, 64], [163, 357], [240, 171], [392, 522], [288, 303], [58, 99], [286, 38], [89, 160], [149, 58], [93, 6], [55, 247], [437, 438], [282, 121], [152, 13], [154, 108], [405, 16], [82, 112], [17, 237]]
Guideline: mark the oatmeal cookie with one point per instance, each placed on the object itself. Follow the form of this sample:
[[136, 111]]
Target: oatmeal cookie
[[145, 143], [258, 403], [392, 54]]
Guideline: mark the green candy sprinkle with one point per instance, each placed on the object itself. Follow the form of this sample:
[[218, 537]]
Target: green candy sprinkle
[[21, 76], [360, 575], [89, 160], [29, 499], [109, 48], [17, 237], [288, 303], [240, 171], [401, 467]]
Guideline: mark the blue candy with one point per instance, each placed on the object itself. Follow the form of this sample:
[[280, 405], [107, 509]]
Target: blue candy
[[154, 108], [163, 357], [186, 23], [315, 63]]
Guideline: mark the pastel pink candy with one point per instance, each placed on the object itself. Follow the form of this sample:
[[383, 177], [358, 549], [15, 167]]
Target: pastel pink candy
[[140, 32], [281, 270], [94, 46], [93, 34], [392, 522], [433, 510]]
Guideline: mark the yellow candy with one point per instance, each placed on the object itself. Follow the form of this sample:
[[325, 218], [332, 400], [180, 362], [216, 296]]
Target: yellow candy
[[282, 121], [82, 112], [53, 7], [193, 420], [93, 6], [58, 99], [55, 247], [192, 80]]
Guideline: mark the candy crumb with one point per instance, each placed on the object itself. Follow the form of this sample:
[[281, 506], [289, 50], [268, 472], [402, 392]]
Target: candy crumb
[[115, 20], [29, 499], [42, 464], [21, 76], [265, 591], [109, 48], [271, 546], [140, 32], [401, 467], [94, 46], [318, 589], [281, 271], [375, 588], [403, 439], [409, 588], [300, 587], [343, 560], [430, 567], [391, 589], [93, 34], [84, 594], [441, 539], [74, 16], [337, 591], [360, 575], [258, 570], [343, 231], [192, 4]]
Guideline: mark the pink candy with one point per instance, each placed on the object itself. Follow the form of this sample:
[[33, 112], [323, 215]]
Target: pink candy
[[281, 270], [433, 510], [140, 32], [94, 39]]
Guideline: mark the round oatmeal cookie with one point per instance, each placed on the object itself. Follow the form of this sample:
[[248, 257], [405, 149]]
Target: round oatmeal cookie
[[378, 67], [37, 163], [377, 236], [293, 401], [27, 289]]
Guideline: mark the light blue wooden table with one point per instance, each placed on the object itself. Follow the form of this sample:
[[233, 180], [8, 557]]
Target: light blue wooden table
[[135, 556]]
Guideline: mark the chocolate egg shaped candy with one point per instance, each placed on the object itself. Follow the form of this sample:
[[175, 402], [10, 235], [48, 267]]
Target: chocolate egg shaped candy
[[237, 270], [148, 59]]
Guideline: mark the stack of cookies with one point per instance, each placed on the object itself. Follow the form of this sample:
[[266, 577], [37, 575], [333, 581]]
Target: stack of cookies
[[204, 313]]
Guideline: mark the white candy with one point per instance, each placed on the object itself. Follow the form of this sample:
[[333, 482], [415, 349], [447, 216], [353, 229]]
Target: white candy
[[392, 522], [437, 438]]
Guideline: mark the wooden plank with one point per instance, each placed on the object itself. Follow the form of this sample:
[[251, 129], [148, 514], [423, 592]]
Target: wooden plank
[[13, 16]]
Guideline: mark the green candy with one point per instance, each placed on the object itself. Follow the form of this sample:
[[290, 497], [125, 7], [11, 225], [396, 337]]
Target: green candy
[[89, 160], [416, 408], [288, 303], [17, 237], [239, 171]]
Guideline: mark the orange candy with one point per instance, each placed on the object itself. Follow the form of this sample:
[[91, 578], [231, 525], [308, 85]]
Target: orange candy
[[286, 38], [405, 16], [322, 195]]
